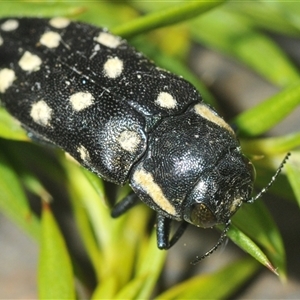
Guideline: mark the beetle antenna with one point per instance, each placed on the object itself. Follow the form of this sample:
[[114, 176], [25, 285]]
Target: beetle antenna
[[265, 189], [216, 246]]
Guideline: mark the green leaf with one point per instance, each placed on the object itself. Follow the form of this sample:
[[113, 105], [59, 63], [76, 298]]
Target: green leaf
[[107, 288], [157, 258], [131, 290], [249, 246], [41, 9], [293, 173], [10, 128], [147, 274], [88, 210], [265, 171], [267, 114], [228, 33], [271, 146], [170, 16], [55, 273], [218, 285], [110, 242], [97, 184], [102, 13], [13, 201], [255, 221], [108, 13], [282, 16]]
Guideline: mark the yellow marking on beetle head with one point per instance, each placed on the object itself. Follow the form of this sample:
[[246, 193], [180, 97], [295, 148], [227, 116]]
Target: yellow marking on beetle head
[[205, 112], [146, 182], [236, 203]]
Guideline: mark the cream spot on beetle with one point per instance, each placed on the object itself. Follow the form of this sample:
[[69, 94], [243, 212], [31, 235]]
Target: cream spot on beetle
[[108, 40], [59, 22], [236, 203], [30, 62], [84, 154], [113, 67], [10, 25], [1, 40], [145, 180], [81, 100], [205, 112], [129, 140], [50, 39], [41, 113], [166, 100], [7, 76]]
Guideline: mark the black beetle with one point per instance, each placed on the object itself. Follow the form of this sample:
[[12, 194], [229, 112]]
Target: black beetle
[[87, 91]]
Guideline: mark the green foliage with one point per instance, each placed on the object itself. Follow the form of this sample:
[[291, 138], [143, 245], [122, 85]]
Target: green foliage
[[123, 254], [55, 276]]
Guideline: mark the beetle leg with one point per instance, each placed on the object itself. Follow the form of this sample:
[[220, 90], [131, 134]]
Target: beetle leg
[[163, 232], [124, 205], [179, 232]]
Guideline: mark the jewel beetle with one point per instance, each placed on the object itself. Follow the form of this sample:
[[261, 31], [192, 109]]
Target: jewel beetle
[[90, 93]]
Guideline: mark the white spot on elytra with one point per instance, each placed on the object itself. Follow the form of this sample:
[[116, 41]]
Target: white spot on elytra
[[1, 40], [41, 113], [81, 100], [10, 25], [84, 154], [113, 67], [145, 180], [129, 140], [59, 22], [30, 62], [97, 48], [50, 39], [205, 112], [165, 100], [7, 76], [108, 40]]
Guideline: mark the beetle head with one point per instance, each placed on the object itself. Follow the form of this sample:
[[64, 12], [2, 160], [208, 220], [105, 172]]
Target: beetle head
[[220, 191]]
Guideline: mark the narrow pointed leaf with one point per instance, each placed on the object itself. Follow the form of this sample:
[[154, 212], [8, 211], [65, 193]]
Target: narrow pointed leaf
[[116, 240], [25, 8], [249, 246], [293, 173], [255, 221], [219, 285], [13, 201], [282, 16], [157, 258], [174, 14], [55, 274], [106, 289], [271, 146], [10, 128], [267, 114], [228, 33], [131, 290]]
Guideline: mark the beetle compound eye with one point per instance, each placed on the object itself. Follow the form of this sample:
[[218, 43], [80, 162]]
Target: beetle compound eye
[[250, 167], [202, 216]]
